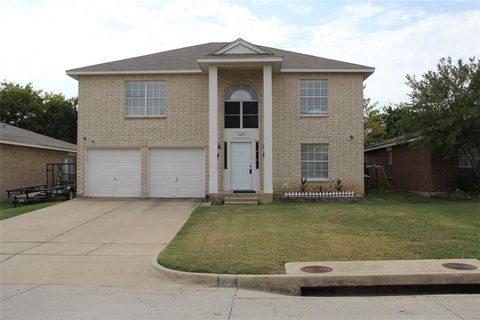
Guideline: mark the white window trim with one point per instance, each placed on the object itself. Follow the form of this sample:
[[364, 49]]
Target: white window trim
[[318, 114], [316, 161], [461, 165], [164, 115]]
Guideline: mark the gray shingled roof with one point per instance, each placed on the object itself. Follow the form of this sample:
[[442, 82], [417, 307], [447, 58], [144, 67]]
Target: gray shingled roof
[[13, 135], [186, 59]]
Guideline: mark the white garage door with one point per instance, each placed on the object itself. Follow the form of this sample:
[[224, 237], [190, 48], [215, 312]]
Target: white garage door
[[177, 173], [113, 173]]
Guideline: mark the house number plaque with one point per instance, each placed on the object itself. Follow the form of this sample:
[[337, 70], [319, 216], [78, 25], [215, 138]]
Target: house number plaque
[[241, 134]]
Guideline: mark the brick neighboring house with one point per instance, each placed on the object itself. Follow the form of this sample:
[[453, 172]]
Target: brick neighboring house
[[413, 169], [24, 155], [218, 118]]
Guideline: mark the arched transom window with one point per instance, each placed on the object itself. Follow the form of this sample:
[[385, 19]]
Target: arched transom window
[[241, 92], [241, 107]]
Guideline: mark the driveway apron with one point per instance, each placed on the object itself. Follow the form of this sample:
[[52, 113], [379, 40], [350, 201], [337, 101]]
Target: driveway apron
[[91, 242]]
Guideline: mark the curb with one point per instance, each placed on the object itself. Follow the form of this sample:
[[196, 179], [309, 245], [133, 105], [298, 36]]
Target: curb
[[292, 284]]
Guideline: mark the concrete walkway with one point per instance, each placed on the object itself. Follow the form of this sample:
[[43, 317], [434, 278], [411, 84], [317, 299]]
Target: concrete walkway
[[91, 242]]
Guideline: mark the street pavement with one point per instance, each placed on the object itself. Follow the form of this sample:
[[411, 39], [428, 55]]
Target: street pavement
[[51, 302]]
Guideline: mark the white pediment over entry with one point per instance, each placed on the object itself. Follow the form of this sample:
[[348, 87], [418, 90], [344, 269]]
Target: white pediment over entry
[[240, 46]]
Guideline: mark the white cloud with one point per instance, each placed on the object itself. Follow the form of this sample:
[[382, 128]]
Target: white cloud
[[49, 36], [362, 10], [301, 9], [41, 39], [412, 48]]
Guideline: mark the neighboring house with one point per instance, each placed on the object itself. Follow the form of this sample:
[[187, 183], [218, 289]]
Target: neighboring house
[[218, 117], [412, 169], [24, 155]]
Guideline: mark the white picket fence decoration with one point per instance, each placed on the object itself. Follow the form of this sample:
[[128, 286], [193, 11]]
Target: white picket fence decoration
[[334, 194]]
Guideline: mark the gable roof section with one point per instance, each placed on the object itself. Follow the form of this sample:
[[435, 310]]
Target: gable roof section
[[17, 136], [186, 60], [240, 46]]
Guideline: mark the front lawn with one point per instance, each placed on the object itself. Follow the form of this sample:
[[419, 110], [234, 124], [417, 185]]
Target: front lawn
[[261, 239], [8, 211]]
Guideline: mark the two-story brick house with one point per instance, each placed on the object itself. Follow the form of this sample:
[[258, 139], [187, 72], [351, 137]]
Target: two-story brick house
[[218, 118]]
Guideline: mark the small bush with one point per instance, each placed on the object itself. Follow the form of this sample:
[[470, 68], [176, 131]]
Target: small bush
[[303, 184], [337, 184]]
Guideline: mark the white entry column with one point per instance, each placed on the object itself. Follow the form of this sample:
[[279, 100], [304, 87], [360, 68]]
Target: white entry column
[[212, 129], [267, 129]]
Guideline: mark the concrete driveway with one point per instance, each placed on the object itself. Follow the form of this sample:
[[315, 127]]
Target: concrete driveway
[[91, 241]]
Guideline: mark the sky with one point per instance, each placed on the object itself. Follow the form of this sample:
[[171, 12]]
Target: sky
[[40, 39]]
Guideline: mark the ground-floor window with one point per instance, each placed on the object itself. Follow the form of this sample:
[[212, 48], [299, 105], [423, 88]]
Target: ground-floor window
[[463, 161], [315, 161]]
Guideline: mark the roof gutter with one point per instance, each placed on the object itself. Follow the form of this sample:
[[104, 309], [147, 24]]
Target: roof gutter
[[366, 71], [74, 74], [389, 144]]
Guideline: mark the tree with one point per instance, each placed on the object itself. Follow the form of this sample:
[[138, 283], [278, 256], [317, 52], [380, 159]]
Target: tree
[[20, 106], [49, 114], [60, 117], [444, 111], [393, 117], [372, 123]]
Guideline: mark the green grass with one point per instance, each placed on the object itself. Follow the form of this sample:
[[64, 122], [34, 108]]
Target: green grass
[[8, 211], [261, 239]]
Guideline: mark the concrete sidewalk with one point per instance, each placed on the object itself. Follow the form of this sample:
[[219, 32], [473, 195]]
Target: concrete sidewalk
[[91, 241], [92, 302]]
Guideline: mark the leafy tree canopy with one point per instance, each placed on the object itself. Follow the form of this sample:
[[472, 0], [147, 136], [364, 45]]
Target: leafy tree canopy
[[383, 123], [49, 114], [444, 109]]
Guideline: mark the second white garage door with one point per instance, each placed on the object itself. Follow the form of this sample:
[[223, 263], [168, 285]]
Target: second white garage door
[[177, 173], [113, 173]]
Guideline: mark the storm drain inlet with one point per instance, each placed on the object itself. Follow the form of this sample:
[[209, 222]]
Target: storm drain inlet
[[316, 269], [459, 266]]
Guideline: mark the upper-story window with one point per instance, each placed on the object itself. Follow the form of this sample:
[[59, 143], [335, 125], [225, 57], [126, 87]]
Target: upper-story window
[[314, 96], [241, 107], [145, 98]]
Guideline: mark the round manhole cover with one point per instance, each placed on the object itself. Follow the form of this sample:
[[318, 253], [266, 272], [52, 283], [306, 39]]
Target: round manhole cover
[[316, 269], [459, 266]]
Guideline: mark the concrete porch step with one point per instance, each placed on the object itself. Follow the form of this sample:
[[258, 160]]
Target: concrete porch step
[[240, 200]]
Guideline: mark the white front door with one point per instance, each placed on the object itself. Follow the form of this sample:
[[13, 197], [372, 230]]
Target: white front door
[[241, 165]]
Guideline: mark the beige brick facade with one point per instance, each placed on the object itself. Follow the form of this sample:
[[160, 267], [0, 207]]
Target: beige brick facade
[[102, 122], [25, 166], [290, 130]]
